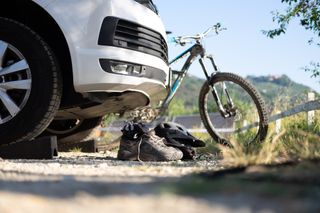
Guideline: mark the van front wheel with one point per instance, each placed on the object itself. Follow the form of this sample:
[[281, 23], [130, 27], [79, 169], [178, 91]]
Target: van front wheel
[[30, 84]]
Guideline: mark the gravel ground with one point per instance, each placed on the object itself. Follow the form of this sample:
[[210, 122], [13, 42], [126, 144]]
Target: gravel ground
[[77, 182]]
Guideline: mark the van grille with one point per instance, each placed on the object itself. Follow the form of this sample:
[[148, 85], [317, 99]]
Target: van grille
[[132, 36]]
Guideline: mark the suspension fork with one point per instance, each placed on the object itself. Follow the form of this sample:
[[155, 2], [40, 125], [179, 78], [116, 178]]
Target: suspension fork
[[227, 110]]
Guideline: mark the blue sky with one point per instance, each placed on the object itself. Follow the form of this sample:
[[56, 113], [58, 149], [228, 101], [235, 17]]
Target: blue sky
[[243, 48]]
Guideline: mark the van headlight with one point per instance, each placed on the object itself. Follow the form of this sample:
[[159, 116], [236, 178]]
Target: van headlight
[[149, 4]]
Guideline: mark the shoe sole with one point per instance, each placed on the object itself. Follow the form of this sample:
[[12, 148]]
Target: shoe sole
[[127, 155]]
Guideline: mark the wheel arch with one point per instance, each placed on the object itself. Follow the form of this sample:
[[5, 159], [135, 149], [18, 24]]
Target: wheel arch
[[39, 20]]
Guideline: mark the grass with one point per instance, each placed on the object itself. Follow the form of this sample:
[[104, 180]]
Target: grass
[[243, 154], [297, 141], [75, 149], [285, 166], [211, 147]]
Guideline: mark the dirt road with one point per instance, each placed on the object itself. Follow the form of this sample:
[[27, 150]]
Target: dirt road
[[76, 182]]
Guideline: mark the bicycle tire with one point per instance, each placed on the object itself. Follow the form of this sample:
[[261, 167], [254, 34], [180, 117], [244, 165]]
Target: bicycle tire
[[252, 93]]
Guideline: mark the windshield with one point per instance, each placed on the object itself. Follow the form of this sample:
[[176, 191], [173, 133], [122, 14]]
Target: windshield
[[149, 4]]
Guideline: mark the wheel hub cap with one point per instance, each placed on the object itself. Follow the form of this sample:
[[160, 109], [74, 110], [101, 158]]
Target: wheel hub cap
[[15, 81]]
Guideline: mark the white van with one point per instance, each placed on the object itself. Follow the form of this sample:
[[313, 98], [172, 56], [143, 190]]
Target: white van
[[65, 64]]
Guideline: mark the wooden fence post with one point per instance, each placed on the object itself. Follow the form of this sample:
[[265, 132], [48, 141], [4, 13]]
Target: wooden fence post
[[310, 114], [278, 124]]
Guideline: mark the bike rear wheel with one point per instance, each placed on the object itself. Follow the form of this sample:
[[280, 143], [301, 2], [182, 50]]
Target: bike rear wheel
[[248, 122]]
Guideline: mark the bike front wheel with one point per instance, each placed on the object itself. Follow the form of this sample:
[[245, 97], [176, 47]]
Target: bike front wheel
[[242, 115]]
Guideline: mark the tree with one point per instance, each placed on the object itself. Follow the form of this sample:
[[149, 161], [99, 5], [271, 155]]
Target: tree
[[308, 13], [177, 108]]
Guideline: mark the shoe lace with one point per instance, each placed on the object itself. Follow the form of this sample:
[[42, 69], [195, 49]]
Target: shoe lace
[[139, 148]]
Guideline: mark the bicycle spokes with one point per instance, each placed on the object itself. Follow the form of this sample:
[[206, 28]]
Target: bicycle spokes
[[236, 110], [223, 100]]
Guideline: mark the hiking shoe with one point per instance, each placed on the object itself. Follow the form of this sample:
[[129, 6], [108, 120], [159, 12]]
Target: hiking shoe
[[148, 147]]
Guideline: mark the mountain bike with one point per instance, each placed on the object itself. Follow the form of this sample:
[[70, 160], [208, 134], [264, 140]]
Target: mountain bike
[[230, 107]]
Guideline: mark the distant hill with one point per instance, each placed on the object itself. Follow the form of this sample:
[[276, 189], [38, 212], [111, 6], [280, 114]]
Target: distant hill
[[274, 89]]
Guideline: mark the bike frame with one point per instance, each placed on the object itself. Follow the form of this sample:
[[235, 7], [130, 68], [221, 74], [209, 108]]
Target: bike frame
[[193, 52]]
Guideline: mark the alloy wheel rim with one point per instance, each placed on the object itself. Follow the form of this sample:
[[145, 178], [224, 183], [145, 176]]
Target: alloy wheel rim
[[15, 81]]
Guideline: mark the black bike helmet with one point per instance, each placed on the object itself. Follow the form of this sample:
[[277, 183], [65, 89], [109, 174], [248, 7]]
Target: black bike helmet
[[174, 132]]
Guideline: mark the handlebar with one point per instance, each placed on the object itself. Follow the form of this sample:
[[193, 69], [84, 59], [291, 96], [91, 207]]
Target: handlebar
[[182, 40]]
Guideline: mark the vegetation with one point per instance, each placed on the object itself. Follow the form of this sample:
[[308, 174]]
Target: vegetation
[[75, 149], [297, 141], [186, 100], [274, 89], [179, 106], [285, 166], [308, 13]]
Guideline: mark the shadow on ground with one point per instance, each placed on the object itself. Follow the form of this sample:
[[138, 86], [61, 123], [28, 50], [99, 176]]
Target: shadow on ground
[[278, 188]]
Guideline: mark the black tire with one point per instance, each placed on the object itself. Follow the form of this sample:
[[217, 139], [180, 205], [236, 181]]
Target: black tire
[[34, 102], [72, 131], [250, 100]]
